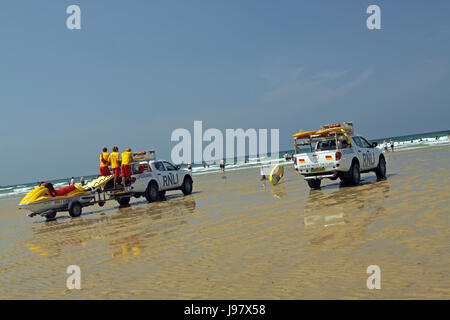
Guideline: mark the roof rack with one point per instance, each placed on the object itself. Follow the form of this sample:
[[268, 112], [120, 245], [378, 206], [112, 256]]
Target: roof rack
[[144, 155], [344, 124], [324, 131]]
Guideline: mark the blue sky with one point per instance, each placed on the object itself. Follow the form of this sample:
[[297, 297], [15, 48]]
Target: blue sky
[[139, 69]]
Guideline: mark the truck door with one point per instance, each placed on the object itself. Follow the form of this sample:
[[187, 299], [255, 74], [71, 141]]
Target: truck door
[[173, 175], [161, 175], [360, 151], [370, 154]]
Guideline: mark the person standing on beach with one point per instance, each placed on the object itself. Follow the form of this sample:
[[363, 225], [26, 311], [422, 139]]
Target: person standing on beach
[[222, 165], [114, 159], [392, 145], [104, 163], [72, 181], [127, 158], [82, 182], [385, 146]]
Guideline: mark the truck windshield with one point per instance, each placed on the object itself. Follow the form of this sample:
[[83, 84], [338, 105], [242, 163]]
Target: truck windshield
[[326, 145]]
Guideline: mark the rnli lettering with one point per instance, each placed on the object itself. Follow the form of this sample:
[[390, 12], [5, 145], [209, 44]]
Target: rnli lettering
[[368, 159], [170, 180]]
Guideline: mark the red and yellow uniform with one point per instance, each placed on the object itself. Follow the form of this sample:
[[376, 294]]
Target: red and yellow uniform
[[104, 170], [127, 157], [114, 159]]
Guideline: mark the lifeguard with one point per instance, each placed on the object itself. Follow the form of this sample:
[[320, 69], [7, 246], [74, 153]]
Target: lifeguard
[[114, 159], [127, 157], [104, 163]]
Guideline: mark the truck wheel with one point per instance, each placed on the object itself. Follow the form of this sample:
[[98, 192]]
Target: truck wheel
[[380, 171], [75, 209], [187, 186], [124, 201], [354, 174], [151, 194], [314, 183], [161, 194]]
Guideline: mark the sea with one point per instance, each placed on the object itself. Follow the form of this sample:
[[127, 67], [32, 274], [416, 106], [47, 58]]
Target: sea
[[401, 143]]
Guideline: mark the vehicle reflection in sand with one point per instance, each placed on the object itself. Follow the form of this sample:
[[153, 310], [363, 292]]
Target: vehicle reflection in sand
[[126, 230], [342, 215]]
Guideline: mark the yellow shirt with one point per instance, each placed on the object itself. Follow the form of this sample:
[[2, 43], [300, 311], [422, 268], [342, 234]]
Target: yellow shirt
[[104, 163], [127, 157], [114, 159]]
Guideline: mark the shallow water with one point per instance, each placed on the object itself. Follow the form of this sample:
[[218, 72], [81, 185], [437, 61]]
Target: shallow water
[[239, 238]]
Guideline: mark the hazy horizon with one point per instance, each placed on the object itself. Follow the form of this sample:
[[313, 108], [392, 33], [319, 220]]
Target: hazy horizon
[[137, 71]]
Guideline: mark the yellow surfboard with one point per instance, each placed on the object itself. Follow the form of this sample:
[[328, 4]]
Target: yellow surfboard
[[324, 132], [276, 174]]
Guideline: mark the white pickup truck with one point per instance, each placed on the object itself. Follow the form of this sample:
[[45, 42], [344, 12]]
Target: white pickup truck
[[337, 155], [152, 179]]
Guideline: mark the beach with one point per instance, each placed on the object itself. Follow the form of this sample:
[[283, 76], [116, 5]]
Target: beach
[[237, 237]]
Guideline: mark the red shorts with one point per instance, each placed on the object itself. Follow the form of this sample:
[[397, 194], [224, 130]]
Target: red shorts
[[116, 172], [126, 170], [104, 171]]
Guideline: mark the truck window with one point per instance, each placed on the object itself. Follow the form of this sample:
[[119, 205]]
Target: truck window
[[169, 166], [326, 145], [358, 142], [159, 166], [365, 143]]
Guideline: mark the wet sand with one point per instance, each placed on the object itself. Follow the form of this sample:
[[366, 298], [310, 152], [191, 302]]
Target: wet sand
[[239, 238]]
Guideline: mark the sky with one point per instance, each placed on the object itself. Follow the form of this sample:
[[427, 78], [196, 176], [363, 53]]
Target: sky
[[139, 69]]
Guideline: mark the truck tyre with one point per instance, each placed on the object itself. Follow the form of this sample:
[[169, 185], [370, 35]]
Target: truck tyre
[[380, 170], [75, 209], [124, 201], [186, 188], [354, 174], [161, 194], [151, 193], [314, 183]]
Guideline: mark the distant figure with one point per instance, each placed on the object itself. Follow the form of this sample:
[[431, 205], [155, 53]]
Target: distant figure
[[263, 175], [385, 146], [437, 138], [72, 181], [222, 165], [82, 182], [104, 163], [189, 166], [204, 164], [287, 157], [392, 145]]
